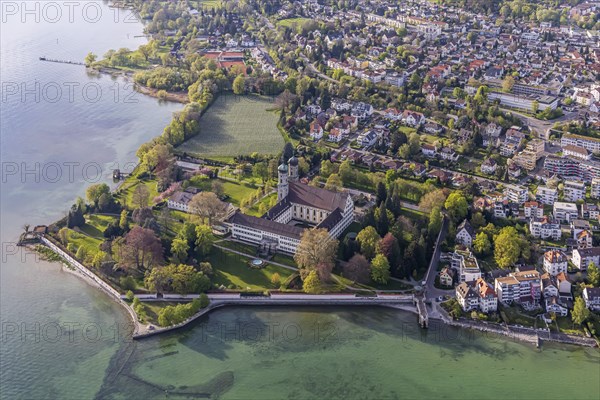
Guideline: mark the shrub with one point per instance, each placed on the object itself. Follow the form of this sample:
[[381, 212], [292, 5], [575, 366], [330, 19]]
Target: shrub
[[129, 295], [127, 283]]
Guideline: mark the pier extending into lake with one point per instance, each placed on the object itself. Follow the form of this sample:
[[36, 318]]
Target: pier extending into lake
[[61, 61]]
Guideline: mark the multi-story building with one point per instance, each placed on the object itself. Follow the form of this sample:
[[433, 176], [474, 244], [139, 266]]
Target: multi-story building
[[467, 265], [572, 168], [546, 195], [573, 190], [555, 262], [544, 228], [475, 295], [588, 143], [516, 194], [583, 257], [565, 212], [591, 296], [533, 209], [523, 287], [595, 192], [311, 207], [465, 234]]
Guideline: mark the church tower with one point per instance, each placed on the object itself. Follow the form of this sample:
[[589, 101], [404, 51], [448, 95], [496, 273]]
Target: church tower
[[293, 166], [282, 183]]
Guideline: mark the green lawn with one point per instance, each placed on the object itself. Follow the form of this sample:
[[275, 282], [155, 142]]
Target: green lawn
[[236, 125], [96, 224], [291, 22], [235, 192], [210, 3], [125, 192], [89, 243], [265, 200], [231, 270]]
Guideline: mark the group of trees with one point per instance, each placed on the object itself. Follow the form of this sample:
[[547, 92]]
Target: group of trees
[[315, 255], [173, 315]]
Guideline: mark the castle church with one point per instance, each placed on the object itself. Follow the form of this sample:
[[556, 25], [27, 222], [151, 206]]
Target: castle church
[[298, 207]]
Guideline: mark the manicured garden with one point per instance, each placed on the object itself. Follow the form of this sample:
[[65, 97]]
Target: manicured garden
[[233, 272]]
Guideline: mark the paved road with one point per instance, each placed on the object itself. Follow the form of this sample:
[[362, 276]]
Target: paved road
[[431, 292]]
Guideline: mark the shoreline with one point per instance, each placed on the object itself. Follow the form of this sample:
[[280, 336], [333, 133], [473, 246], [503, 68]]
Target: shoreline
[[142, 331]]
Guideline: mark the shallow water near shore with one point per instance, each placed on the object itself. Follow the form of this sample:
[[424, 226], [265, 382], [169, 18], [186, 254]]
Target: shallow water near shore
[[345, 353]]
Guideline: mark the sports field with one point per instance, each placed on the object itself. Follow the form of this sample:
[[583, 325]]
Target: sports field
[[237, 125]]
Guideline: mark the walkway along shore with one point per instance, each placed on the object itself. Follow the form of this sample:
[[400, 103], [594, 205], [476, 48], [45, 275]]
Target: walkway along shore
[[218, 300]]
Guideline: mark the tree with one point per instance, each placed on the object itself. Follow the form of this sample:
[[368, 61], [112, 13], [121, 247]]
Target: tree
[[535, 106], [94, 192], [208, 207], [390, 248], [381, 193], [457, 206], [432, 199], [368, 239], [204, 239], [179, 249], [141, 196], [580, 312], [123, 220], [481, 244], [435, 220], [142, 248], [315, 247], [90, 58], [357, 269], [261, 171], [507, 247], [179, 278], [334, 183], [276, 279], [508, 83], [593, 275], [63, 235], [239, 85], [217, 188], [75, 217], [382, 219], [311, 283], [380, 269]]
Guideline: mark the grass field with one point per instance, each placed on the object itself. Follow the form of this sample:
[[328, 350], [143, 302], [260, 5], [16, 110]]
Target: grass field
[[235, 192], [232, 270], [290, 22], [234, 126]]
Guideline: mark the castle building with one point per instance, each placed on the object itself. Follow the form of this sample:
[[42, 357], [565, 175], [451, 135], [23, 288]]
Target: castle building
[[299, 207]]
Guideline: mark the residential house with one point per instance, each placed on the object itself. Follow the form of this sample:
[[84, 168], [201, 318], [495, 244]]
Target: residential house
[[583, 257], [489, 166], [465, 234], [447, 277], [533, 209], [546, 195], [465, 262], [413, 118], [180, 200], [555, 262], [565, 211], [591, 296], [523, 287], [595, 192], [316, 131], [545, 228], [590, 211], [573, 190]]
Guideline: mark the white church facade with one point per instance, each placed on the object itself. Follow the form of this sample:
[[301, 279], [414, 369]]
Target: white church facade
[[299, 207]]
